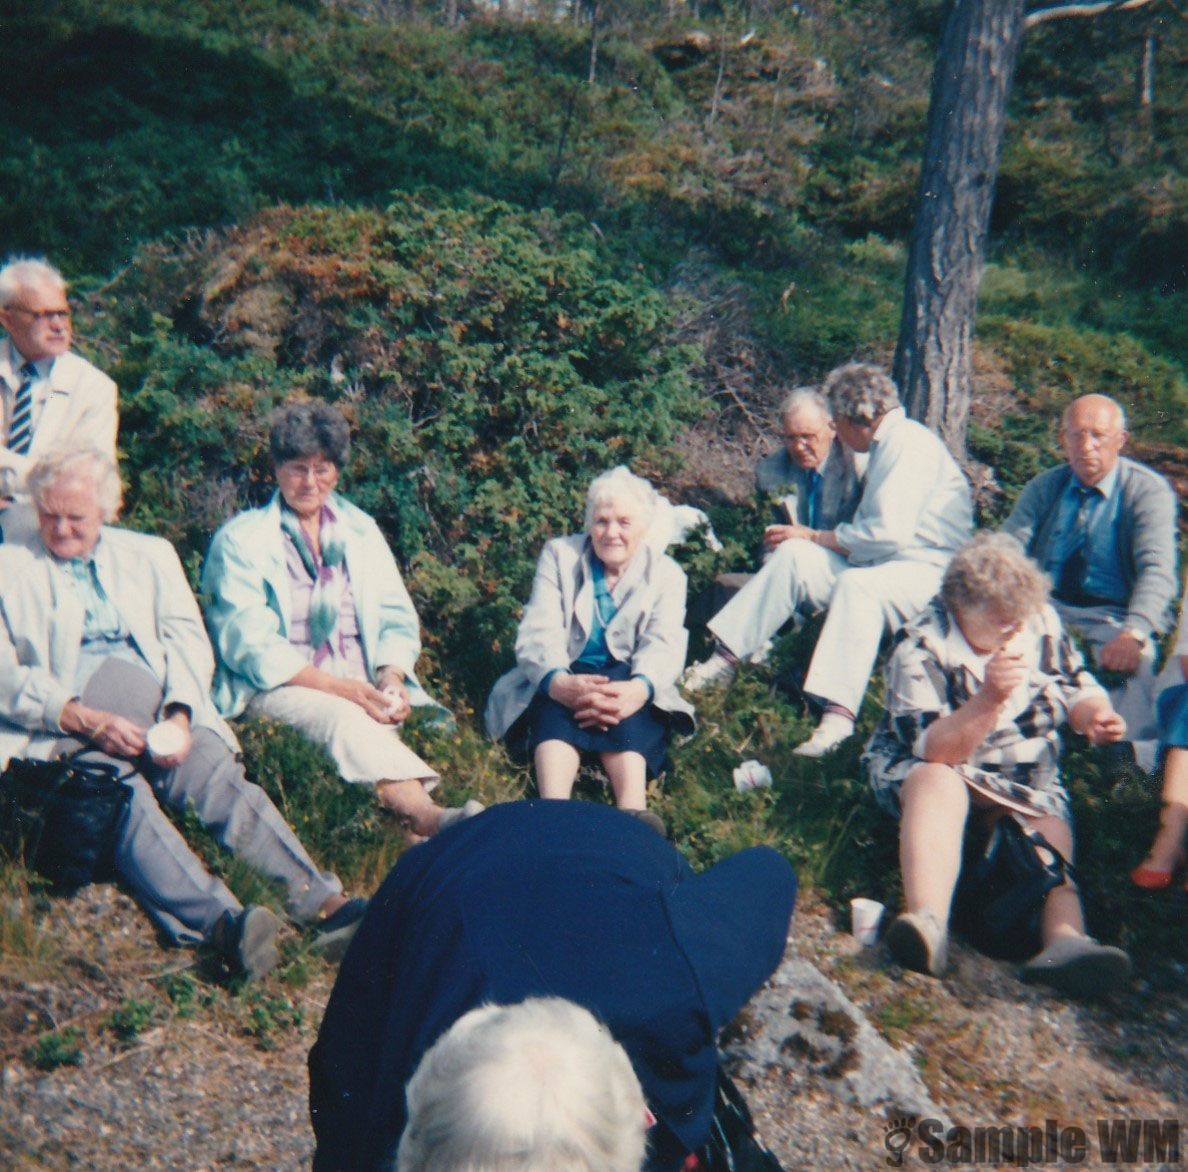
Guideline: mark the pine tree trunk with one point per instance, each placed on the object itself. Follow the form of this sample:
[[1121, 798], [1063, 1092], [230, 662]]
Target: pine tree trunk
[[966, 122]]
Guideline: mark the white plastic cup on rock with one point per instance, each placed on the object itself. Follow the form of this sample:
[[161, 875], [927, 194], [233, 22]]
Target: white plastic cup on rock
[[164, 739], [751, 775], [865, 915]]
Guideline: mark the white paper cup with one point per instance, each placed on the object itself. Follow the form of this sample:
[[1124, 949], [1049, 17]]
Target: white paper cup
[[164, 739], [395, 698], [751, 775], [865, 915]]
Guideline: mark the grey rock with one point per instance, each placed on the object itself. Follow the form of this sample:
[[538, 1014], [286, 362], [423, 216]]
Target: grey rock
[[804, 1025]]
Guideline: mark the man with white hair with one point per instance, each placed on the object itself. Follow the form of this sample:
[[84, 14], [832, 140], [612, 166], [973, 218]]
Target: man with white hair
[[540, 1086], [51, 397], [1104, 528], [873, 572], [812, 479], [553, 899], [103, 652]]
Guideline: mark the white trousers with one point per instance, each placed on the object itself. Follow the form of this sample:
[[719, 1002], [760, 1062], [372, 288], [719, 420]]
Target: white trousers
[[365, 751], [798, 577], [863, 602]]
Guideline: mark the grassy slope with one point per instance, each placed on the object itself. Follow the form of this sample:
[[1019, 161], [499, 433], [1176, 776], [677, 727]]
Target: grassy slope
[[130, 124]]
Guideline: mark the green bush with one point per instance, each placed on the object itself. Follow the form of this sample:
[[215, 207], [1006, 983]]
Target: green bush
[[491, 362]]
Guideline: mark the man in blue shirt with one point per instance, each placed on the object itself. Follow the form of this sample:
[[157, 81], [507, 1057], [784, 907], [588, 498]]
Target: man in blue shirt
[[1104, 527]]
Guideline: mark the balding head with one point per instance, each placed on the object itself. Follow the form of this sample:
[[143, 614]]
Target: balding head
[[1093, 433]]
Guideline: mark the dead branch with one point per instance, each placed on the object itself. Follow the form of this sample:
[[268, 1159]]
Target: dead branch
[[1043, 15]]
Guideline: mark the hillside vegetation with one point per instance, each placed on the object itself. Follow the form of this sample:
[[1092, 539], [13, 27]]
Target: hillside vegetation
[[510, 278]]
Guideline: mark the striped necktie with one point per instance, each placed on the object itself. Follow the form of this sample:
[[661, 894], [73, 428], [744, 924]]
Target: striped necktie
[[20, 430]]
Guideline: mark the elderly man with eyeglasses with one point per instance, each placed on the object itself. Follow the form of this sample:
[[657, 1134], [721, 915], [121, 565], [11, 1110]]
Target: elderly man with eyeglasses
[[1104, 528], [813, 479], [51, 397], [873, 572]]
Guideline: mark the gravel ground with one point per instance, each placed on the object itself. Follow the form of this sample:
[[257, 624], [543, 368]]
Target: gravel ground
[[215, 1080]]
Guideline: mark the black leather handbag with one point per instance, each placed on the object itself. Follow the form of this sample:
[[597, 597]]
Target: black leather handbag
[[62, 818], [733, 1144], [1000, 895]]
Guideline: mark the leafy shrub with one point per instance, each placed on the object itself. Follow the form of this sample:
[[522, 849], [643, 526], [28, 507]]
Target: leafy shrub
[[491, 363], [129, 1020], [56, 1048]]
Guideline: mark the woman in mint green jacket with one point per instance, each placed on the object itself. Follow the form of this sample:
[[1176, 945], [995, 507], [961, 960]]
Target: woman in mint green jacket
[[312, 623]]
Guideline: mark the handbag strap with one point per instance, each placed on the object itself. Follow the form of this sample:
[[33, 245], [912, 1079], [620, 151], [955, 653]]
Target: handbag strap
[[1059, 862]]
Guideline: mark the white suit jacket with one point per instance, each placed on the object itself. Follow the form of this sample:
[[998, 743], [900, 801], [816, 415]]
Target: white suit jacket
[[647, 632], [79, 411], [41, 623]]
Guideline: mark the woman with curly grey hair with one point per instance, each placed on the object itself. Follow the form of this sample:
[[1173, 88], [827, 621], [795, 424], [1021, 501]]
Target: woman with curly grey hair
[[976, 688], [312, 622]]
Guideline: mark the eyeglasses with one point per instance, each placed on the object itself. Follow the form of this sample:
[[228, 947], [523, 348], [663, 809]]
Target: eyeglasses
[[1095, 439], [322, 472], [50, 315], [803, 438]]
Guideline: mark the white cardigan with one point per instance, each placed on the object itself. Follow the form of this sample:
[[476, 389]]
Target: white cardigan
[[647, 632]]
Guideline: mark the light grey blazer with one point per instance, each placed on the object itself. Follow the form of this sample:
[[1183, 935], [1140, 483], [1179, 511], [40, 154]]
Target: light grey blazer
[[79, 412], [41, 623], [647, 632]]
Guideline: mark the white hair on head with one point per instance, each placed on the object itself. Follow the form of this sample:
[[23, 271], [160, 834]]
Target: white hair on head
[[621, 485], [536, 1087], [27, 272], [800, 397], [78, 464]]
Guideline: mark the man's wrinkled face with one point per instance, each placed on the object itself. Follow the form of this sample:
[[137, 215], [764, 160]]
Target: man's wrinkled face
[[38, 322], [69, 517], [808, 436], [1092, 437]]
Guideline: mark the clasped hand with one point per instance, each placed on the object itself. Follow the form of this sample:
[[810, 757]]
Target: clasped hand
[[596, 701]]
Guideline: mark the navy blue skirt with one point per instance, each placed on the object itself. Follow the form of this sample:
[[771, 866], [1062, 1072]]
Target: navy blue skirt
[[646, 733]]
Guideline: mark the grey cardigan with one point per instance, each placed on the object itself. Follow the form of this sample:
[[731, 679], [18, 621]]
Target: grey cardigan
[[647, 632], [1147, 537]]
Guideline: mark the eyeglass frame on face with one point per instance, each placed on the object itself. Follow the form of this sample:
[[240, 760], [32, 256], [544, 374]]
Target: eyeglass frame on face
[[805, 438], [1092, 436], [40, 315], [321, 473]]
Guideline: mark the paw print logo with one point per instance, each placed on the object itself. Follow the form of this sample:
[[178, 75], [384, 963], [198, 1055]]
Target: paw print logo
[[899, 1135]]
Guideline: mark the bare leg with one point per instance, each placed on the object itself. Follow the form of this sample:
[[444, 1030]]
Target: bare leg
[[935, 805], [409, 800], [1168, 848], [1062, 909], [628, 775], [556, 765]]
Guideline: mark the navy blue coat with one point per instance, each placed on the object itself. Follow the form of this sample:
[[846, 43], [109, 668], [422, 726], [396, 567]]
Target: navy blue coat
[[547, 898]]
